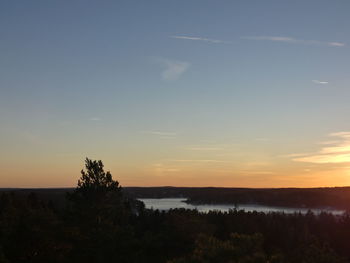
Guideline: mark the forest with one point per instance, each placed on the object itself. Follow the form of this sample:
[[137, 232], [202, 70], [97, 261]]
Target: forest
[[99, 221]]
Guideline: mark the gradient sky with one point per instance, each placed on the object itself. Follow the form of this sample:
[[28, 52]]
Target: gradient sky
[[182, 93]]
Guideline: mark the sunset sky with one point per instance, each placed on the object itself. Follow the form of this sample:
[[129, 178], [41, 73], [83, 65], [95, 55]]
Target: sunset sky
[[181, 93]]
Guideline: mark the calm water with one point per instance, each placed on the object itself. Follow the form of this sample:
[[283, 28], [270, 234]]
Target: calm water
[[168, 203]]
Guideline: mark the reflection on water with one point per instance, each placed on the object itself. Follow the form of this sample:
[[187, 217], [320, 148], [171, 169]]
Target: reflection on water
[[169, 203]]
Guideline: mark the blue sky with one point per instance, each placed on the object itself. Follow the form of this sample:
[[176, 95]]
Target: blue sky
[[174, 92]]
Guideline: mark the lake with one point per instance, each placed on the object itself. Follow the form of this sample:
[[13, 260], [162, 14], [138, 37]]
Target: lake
[[171, 203]]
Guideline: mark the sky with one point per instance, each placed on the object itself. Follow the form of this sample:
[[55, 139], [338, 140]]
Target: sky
[[181, 93]]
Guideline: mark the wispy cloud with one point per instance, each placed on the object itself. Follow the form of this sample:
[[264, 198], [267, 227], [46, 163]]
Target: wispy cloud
[[319, 82], [277, 38], [334, 152], [204, 148], [172, 69], [328, 142], [161, 133], [336, 44], [284, 39], [293, 155], [258, 163], [162, 169], [204, 39], [293, 40], [94, 119], [256, 172], [197, 161]]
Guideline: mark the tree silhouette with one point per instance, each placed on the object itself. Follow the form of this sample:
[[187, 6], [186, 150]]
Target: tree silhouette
[[98, 197], [95, 182], [100, 215]]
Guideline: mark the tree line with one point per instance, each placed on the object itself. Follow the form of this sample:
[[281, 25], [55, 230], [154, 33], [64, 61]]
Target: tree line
[[334, 197]]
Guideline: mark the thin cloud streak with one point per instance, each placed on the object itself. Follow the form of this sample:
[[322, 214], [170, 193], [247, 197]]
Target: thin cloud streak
[[204, 148], [293, 155], [336, 44], [256, 172], [339, 152], [209, 40], [161, 169], [284, 39], [320, 82], [197, 161], [161, 133], [262, 139], [94, 119], [292, 40], [345, 135]]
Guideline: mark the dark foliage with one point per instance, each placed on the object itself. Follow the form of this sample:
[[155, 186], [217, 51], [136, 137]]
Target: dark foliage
[[98, 222]]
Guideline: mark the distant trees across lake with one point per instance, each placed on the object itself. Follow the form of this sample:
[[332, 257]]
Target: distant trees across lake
[[334, 197], [99, 222]]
